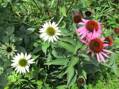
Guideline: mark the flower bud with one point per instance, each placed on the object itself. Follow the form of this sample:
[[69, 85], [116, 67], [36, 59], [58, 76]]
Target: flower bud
[[77, 17]]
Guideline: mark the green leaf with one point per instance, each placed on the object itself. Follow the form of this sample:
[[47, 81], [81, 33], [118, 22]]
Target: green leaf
[[46, 86], [10, 30], [85, 57], [78, 45], [116, 41], [68, 40], [61, 87], [49, 58], [1, 70], [73, 81], [70, 75], [31, 30], [69, 47], [58, 53], [53, 1], [85, 3], [83, 73], [21, 49], [45, 46], [74, 86], [39, 84], [63, 10], [60, 61], [74, 61]]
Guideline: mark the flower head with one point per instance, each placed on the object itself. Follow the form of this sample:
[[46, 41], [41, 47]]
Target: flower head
[[97, 48], [81, 81], [108, 40], [90, 29], [8, 49], [21, 62], [92, 25], [77, 17], [96, 45], [88, 13], [50, 32], [116, 30]]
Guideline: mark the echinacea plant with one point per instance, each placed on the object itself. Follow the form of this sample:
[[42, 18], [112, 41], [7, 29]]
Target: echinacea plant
[[43, 45]]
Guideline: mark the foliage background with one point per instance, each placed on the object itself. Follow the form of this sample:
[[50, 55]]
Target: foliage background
[[58, 65]]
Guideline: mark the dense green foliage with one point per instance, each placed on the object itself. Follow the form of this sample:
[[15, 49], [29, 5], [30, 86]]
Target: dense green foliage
[[59, 65]]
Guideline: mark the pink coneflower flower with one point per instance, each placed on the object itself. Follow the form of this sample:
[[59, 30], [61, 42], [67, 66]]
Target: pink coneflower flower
[[90, 29], [97, 48]]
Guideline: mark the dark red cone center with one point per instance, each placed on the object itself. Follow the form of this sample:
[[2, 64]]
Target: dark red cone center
[[92, 25], [116, 30], [77, 17], [96, 45]]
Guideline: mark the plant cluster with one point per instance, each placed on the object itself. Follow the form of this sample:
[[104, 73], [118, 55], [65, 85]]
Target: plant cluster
[[59, 44]]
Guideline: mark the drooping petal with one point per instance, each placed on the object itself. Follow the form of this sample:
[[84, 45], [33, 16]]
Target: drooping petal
[[101, 57], [98, 58]]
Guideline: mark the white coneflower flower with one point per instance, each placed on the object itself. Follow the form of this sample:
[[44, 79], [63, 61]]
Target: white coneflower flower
[[21, 62], [8, 49], [50, 32]]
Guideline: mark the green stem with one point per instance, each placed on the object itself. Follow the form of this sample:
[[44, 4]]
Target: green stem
[[36, 5], [60, 20], [70, 6]]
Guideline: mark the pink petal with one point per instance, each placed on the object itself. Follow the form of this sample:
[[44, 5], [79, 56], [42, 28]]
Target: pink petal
[[83, 36], [104, 54], [81, 29], [105, 45], [99, 25], [81, 23], [84, 30], [85, 21], [83, 41], [102, 38], [107, 51], [98, 58], [101, 57], [94, 34]]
